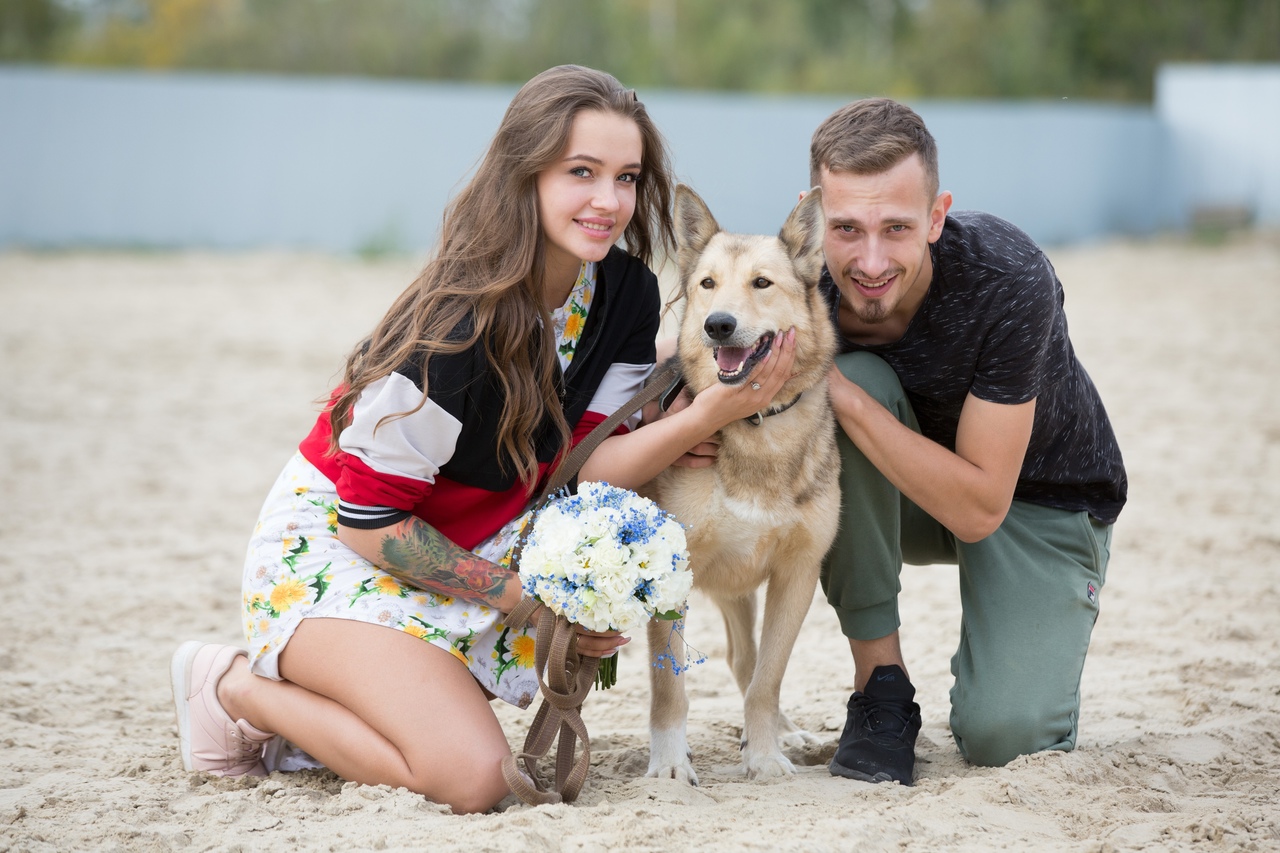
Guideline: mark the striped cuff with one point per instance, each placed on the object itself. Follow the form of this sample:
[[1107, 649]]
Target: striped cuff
[[369, 517]]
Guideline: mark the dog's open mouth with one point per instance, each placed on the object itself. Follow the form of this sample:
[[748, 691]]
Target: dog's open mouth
[[736, 363]]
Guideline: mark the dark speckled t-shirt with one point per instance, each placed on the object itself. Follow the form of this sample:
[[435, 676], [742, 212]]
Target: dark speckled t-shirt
[[993, 324]]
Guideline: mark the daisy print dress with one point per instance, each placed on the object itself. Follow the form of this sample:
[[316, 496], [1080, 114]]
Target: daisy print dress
[[296, 568]]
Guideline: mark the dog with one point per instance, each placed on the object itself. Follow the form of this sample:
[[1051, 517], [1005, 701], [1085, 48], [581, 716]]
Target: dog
[[766, 511]]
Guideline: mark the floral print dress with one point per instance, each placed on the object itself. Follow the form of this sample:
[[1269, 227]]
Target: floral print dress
[[296, 568]]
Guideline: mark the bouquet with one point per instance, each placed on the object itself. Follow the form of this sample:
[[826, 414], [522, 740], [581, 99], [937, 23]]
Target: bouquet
[[608, 560]]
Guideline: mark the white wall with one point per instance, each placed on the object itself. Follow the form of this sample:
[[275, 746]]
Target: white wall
[[1225, 124], [136, 159], [145, 160]]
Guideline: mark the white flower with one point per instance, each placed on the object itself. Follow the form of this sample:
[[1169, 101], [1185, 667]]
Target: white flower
[[606, 558]]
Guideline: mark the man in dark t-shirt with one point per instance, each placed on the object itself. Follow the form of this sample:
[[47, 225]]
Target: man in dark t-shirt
[[970, 434]]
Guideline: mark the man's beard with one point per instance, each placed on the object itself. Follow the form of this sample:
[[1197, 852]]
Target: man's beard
[[871, 312]]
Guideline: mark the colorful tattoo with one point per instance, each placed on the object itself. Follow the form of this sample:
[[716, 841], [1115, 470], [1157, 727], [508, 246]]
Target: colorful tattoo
[[424, 557]]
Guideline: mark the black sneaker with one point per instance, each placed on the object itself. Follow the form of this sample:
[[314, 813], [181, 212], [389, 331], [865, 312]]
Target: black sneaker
[[879, 739]]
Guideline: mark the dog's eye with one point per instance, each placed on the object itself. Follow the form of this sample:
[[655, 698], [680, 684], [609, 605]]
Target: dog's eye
[[708, 283], [762, 283]]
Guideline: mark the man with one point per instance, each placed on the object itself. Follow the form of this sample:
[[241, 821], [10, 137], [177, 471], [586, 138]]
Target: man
[[970, 434]]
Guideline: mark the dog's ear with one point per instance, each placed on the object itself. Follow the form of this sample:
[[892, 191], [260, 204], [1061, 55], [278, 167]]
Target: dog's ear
[[695, 226], [801, 234]]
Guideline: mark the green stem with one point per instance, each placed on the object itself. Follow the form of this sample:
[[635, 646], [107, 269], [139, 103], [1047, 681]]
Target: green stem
[[607, 674]]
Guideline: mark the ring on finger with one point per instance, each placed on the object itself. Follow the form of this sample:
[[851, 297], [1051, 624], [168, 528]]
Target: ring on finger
[[755, 386]]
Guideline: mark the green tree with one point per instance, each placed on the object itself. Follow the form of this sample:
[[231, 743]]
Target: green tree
[[31, 30], [1097, 49]]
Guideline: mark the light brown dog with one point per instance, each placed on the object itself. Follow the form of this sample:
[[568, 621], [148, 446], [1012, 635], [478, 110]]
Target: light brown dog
[[767, 510]]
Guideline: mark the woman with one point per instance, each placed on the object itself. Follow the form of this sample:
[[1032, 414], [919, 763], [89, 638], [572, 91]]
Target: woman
[[376, 581]]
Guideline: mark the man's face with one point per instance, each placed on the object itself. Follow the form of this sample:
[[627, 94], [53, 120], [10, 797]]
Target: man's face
[[878, 232]]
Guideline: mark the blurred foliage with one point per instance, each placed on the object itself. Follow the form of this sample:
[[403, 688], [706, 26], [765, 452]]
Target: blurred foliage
[[30, 29], [1097, 49]]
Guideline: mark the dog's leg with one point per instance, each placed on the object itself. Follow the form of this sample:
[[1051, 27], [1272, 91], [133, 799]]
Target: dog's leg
[[739, 628], [791, 736], [786, 604], [740, 636], [669, 756]]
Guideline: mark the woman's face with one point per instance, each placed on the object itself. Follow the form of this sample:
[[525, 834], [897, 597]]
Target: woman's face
[[587, 196]]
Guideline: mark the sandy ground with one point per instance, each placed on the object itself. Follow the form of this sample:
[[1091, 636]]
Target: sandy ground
[[148, 401]]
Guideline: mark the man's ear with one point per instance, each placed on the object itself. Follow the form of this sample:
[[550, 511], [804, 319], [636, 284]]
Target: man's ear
[[938, 214]]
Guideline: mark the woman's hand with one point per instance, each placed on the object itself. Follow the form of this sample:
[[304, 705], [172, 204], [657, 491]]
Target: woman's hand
[[596, 644], [632, 459], [599, 644], [734, 402]]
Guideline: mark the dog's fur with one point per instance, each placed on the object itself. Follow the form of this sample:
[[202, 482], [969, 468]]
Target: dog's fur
[[767, 510]]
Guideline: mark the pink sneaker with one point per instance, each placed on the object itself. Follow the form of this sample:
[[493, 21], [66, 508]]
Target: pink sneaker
[[209, 739]]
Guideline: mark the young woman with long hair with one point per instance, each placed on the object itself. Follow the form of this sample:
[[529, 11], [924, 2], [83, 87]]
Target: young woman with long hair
[[375, 584]]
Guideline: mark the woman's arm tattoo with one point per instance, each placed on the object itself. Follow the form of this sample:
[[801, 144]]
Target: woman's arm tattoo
[[425, 558]]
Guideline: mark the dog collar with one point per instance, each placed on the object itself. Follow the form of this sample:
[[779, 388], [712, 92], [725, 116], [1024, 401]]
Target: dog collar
[[758, 417]]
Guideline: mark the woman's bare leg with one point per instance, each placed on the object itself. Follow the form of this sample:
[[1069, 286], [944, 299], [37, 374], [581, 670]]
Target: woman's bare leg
[[379, 706]]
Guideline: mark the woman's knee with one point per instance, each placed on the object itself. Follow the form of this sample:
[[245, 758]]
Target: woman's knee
[[467, 789], [480, 796]]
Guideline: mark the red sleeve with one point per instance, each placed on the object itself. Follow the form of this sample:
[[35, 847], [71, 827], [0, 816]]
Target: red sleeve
[[356, 482]]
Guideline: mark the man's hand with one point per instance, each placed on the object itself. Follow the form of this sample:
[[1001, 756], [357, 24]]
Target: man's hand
[[969, 490]]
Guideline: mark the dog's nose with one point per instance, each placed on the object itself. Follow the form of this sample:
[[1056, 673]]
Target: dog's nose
[[719, 326]]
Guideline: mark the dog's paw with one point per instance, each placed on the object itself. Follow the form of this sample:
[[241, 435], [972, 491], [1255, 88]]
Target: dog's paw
[[798, 739], [669, 756], [767, 765], [681, 772]]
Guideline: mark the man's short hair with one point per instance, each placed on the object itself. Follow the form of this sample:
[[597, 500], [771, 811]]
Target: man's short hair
[[871, 136]]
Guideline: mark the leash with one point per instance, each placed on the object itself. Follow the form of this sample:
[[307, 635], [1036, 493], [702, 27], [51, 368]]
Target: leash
[[571, 463], [569, 677], [564, 676]]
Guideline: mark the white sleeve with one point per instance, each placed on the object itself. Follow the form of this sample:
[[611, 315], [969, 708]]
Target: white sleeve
[[415, 445], [621, 382]]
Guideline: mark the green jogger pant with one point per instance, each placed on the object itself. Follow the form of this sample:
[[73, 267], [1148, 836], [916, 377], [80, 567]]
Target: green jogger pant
[[1028, 593]]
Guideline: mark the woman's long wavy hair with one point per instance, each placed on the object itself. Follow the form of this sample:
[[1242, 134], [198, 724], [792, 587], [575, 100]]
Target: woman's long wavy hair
[[491, 257]]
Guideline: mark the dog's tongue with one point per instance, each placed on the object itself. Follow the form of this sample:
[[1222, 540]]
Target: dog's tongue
[[730, 358]]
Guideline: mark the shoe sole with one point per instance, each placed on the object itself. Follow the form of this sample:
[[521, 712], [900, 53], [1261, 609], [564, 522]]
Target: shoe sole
[[180, 682], [841, 770]]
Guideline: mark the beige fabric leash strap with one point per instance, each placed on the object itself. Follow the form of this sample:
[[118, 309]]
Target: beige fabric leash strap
[[564, 677], [572, 462], [568, 679]]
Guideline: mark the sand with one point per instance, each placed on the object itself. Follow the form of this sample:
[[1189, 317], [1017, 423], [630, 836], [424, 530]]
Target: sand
[[148, 401]]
